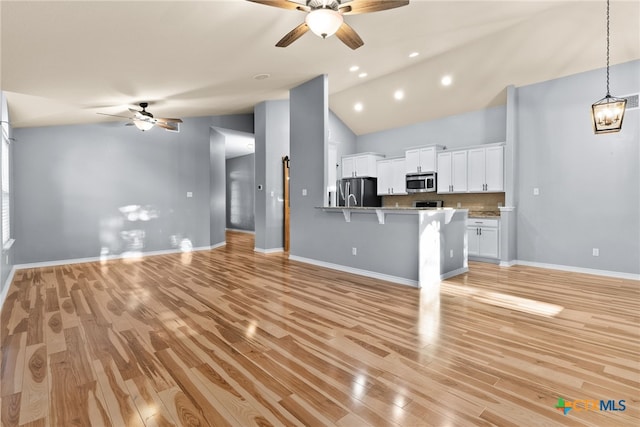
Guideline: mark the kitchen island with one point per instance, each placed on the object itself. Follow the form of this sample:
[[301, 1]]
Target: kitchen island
[[414, 246]]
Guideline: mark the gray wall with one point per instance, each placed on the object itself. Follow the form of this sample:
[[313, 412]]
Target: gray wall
[[589, 184], [342, 137], [6, 260], [240, 173], [389, 249], [217, 188], [477, 127], [72, 183], [271, 145]]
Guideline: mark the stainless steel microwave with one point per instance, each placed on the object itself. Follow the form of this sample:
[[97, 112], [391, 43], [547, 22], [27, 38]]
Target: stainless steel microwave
[[424, 182]]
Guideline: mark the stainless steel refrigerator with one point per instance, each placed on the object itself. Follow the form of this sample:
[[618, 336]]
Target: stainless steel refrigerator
[[358, 192]]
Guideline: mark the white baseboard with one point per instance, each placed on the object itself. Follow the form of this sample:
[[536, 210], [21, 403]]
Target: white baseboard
[[508, 263], [608, 273], [268, 251], [454, 273], [360, 272], [112, 257]]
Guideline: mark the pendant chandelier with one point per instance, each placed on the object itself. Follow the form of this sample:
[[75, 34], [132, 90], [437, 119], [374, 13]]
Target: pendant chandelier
[[607, 113]]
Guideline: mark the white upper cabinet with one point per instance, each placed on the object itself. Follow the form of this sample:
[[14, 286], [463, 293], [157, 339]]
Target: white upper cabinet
[[391, 177], [421, 159], [494, 172], [348, 167], [360, 165], [452, 172], [486, 169]]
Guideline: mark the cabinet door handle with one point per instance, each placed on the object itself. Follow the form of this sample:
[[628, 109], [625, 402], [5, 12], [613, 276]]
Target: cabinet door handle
[[480, 231]]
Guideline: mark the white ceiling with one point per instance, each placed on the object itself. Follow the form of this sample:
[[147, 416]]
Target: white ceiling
[[63, 62]]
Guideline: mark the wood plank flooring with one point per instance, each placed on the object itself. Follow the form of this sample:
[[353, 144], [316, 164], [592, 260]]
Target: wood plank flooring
[[230, 337]]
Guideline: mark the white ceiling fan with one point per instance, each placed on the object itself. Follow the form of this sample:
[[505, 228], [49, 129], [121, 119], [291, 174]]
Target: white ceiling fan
[[144, 120]]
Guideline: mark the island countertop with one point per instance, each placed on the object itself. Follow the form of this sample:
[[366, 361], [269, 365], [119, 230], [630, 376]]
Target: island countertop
[[383, 211], [386, 208]]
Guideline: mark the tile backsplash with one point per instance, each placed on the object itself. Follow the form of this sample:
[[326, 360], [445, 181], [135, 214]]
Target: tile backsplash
[[477, 202]]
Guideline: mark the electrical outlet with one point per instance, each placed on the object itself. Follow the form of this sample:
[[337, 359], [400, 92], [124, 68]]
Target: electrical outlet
[[354, 251], [450, 253], [189, 194], [596, 252], [304, 191], [459, 204], [536, 191]]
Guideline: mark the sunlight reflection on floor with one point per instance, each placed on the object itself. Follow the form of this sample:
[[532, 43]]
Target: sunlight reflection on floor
[[503, 300]]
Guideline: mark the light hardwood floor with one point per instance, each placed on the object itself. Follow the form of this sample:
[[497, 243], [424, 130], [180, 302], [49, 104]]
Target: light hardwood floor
[[231, 337]]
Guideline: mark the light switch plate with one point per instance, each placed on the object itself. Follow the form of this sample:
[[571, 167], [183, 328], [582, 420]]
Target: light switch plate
[[189, 194], [536, 191], [304, 191]]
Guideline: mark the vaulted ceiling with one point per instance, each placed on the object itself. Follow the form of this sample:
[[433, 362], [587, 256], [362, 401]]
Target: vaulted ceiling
[[63, 62]]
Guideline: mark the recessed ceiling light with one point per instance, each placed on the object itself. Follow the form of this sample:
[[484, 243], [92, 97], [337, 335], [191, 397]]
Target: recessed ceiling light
[[354, 68], [446, 80], [413, 54], [362, 75], [261, 76], [358, 106], [398, 95]]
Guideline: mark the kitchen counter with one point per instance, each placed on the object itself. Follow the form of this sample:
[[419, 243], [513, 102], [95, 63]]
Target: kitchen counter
[[384, 208], [484, 214], [381, 211]]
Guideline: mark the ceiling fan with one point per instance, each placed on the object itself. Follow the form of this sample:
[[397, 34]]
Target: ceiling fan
[[325, 17], [144, 120]]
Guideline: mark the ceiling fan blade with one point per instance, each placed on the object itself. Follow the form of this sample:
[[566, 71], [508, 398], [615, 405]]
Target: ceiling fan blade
[[114, 115], [284, 4], [168, 126], [167, 120], [367, 6], [349, 36], [293, 35]]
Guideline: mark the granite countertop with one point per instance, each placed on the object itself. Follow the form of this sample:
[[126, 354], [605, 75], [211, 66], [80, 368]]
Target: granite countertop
[[484, 214], [384, 208]]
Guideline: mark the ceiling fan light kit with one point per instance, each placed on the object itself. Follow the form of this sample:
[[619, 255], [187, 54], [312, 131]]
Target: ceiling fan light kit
[[324, 22], [142, 124], [607, 113]]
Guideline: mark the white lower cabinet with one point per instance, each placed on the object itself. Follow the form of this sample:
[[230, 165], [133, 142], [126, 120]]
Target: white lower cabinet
[[482, 238]]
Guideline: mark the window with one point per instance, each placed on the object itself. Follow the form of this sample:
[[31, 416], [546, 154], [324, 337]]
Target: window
[[6, 223]]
